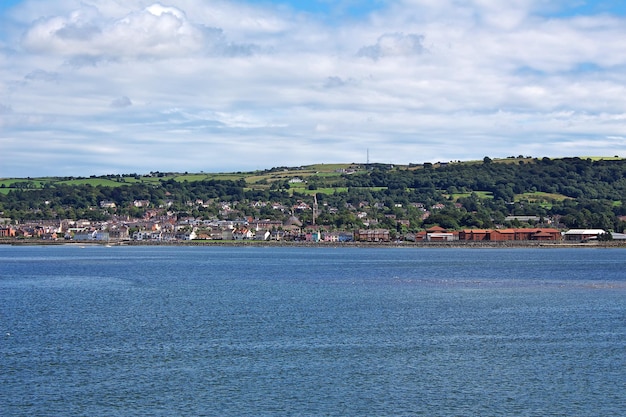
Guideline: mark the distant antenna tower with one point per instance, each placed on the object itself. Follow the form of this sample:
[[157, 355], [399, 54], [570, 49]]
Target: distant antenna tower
[[315, 208], [367, 163]]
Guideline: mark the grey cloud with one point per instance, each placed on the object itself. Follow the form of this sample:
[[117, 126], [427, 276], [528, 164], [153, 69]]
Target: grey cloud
[[217, 43], [80, 61], [338, 82], [212, 35], [333, 82], [394, 44], [235, 50], [41, 75], [121, 102], [78, 32], [5, 109]]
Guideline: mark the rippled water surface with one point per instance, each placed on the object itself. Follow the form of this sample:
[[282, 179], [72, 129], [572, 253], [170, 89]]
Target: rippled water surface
[[213, 331]]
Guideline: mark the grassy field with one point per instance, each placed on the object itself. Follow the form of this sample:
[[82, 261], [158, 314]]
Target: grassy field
[[32, 182], [210, 176], [256, 179], [480, 194], [263, 179], [539, 196], [95, 182], [545, 200], [328, 191], [603, 158]]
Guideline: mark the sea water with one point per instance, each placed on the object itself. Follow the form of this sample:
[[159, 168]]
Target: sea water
[[262, 331]]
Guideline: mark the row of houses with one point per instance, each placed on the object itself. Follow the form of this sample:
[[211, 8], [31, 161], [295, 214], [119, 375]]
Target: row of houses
[[190, 229], [501, 235], [29, 231]]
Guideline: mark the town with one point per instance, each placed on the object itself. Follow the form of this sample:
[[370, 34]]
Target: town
[[514, 199], [168, 228]]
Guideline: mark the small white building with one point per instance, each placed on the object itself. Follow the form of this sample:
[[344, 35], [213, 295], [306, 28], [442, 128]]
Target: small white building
[[96, 235], [582, 235], [440, 237]]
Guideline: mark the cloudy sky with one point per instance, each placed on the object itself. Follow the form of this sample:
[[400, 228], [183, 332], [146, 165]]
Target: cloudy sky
[[90, 87]]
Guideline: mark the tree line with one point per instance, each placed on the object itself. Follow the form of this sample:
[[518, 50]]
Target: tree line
[[577, 192]]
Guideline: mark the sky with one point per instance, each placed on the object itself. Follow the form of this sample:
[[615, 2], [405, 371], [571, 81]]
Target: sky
[[96, 87]]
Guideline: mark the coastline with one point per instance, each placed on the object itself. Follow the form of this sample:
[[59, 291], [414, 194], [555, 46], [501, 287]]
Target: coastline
[[401, 244]]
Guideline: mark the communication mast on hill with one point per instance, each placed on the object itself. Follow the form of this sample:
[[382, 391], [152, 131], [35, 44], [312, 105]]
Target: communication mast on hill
[[367, 162], [314, 208]]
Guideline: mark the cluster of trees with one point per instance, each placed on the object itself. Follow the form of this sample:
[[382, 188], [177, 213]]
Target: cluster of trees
[[580, 193], [572, 177]]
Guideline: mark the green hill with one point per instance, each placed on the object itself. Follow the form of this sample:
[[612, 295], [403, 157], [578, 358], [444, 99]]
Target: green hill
[[570, 192]]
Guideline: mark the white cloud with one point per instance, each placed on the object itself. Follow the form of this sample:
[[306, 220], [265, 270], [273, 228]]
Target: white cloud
[[155, 31], [234, 85]]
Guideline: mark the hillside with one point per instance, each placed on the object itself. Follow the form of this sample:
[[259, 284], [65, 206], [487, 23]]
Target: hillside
[[568, 192]]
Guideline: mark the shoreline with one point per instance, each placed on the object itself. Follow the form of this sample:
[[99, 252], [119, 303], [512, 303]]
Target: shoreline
[[253, 243]]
